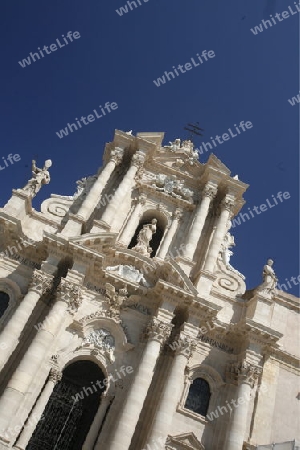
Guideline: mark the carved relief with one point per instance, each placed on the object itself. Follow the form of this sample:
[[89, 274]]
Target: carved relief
[[158, 330], [171, 185]]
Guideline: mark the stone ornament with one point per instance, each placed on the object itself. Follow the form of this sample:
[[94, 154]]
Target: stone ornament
[[227, 204], [40, 282], [138, 159], [242, 372], [55, 375], [185, 346], [115, 299], [117, 155], [270, 280], [130, 273], [158, 330], [209, 191], [171, 185], [71, 294], [144, 238], [186, 147], [39, 178]]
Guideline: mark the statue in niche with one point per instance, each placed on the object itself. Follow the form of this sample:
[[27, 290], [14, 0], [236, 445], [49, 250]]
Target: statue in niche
[[39, 177], [269, 278], [144, 238]]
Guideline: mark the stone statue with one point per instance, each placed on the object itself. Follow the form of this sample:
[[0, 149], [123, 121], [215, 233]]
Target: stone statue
[[269, 278], [144, 238], [39, 177]]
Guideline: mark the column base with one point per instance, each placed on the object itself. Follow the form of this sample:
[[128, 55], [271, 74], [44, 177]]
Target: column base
[[185, 264], [73, 227], [205, 282], [19, 205], [99, 227]]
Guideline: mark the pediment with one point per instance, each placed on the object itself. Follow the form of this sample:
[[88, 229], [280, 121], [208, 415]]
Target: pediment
[[185, 441]]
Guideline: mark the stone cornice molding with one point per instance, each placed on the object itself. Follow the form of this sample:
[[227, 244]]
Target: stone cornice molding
[[179, 202], [289, 361]]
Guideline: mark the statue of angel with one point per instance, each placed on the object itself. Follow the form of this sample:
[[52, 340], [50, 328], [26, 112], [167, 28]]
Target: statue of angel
[[39, 177]]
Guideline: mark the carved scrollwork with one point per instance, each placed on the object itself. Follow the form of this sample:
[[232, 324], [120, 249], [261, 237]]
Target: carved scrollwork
[[242, 372], [40, 282], [71, 294], [55, 375]]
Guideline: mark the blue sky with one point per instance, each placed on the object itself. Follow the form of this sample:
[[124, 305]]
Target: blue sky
[[117, 58]]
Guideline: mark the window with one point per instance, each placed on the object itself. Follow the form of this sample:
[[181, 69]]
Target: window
[[198, 397], [4, 301]]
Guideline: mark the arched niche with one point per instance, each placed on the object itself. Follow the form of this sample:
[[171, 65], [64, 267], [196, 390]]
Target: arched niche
[[162, 222], [71, 408], [10, 296]]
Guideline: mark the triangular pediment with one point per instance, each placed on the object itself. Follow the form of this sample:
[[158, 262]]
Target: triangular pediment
[[185, 441]]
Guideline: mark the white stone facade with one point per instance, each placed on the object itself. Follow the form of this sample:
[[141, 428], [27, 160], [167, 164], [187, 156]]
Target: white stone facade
[[153, 304]]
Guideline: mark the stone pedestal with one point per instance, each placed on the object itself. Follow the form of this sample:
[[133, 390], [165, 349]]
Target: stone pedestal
[[19, 205]]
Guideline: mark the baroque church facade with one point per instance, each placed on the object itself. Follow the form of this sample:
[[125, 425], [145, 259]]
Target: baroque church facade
[[123, 324]]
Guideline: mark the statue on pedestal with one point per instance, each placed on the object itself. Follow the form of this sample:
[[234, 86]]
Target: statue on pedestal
[[269, 279], [39, 177], [144, 238]]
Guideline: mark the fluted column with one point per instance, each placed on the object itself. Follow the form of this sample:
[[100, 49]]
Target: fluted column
[[9, 338], [170, 234], [171, 395], [111, 211], [120, 438], [97, 422], [69, 299], [194, 233], [54, 376], [133, 222], [73, 226], [221, 228], [243, 375]]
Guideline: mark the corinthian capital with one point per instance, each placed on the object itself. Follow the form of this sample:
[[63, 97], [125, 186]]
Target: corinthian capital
[[71, 294], [210, 190], [185, 346], [138, 159], [40, 282], [227, 203], [158, 330], [242, 372], [55, 375], [117, 155]]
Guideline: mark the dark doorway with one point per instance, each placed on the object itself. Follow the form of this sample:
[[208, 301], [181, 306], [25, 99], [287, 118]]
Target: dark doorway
[[156, 238], [70, 410]]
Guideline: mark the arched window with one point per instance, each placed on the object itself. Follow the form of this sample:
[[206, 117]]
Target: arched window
[[4, 301], [198, 397]]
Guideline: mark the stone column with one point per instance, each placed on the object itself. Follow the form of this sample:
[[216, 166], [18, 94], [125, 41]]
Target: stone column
[[222, 225], [38, 409], [170, 234], [121, 436], [195, 231], [125, 186], [243, 375], [133, 222], [97, 422], [69, 299], [73, 227], [9, 338], [171, 394]]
